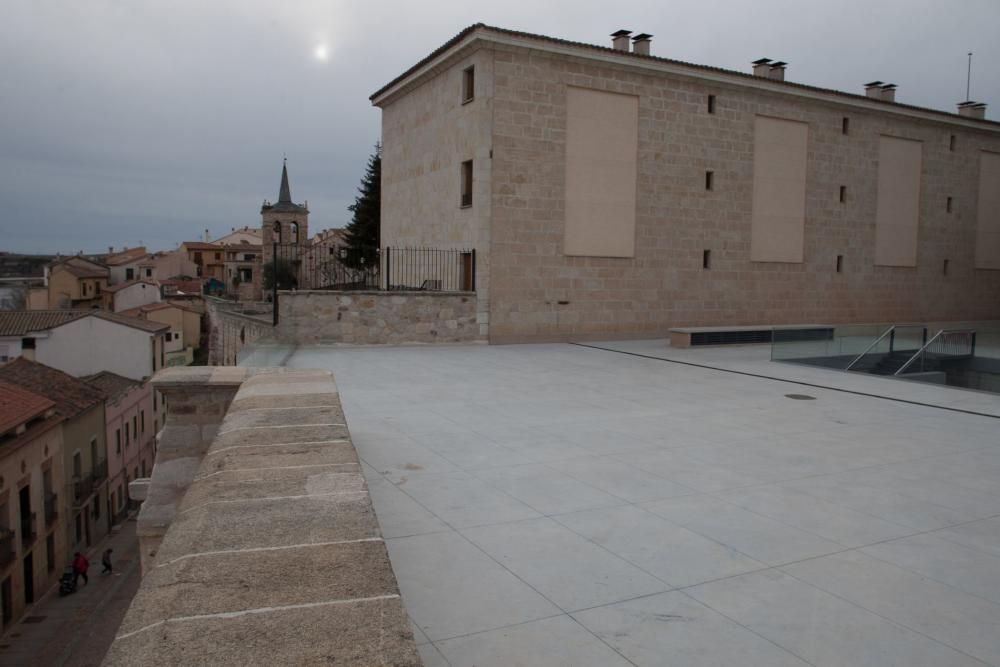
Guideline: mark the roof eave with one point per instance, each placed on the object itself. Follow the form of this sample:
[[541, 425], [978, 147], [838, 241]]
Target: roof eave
[[481, 32]]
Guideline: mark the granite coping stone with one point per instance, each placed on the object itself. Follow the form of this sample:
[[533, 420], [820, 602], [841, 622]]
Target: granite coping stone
[[275, 555]]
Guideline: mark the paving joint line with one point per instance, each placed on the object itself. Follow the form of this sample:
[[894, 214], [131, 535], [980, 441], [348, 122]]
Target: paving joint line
[[797, 382]]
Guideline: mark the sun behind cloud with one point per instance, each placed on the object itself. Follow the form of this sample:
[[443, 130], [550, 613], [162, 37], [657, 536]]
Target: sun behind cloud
[[322, 53]]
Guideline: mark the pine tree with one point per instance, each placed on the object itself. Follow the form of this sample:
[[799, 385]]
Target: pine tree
[[362, 235]]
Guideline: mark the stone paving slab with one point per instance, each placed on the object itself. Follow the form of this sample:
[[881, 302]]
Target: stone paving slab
[[844, 530], [274, 555]]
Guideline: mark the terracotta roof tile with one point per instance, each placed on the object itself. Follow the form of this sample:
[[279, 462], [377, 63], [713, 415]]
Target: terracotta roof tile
[[18, 405], [70, 395], [21, 322], [121, 286], [111, 384], [126, 256], [201, 245]]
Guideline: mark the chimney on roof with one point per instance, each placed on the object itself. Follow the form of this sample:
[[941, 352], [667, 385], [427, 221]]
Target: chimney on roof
[[206, 236], [874, 89], [619, 39], [888, 92], [640, 43], [111, 250], [777, 71], [970, 109], [761, 66]]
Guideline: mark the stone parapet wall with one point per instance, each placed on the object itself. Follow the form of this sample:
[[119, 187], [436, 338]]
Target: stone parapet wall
[[234, 325], [274, 554], [377, 318]]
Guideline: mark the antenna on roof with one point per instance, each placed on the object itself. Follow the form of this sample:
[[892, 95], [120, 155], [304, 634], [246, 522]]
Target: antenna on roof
[[968, 79]]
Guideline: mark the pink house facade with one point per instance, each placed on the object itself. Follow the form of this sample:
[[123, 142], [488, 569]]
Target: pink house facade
[[133, 415]]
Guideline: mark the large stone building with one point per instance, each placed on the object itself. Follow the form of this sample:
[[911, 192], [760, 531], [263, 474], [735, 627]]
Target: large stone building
[[609, 192]]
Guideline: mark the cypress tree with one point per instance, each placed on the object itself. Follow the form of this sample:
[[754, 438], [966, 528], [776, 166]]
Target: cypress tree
[[362, 235]]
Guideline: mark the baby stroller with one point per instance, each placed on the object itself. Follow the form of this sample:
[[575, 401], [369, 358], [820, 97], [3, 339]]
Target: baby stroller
[[67, 582]]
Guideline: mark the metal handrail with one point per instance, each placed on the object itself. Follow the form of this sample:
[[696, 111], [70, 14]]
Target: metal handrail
[[928, 343], [869, 348]]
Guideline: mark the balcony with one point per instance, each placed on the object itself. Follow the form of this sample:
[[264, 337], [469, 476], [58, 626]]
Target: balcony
[[99, 472], [51, 508], [81, 490], [28, 533], [7, 553]]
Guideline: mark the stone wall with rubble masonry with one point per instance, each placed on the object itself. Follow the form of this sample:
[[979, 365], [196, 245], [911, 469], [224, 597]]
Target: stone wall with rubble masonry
[[377, 318]]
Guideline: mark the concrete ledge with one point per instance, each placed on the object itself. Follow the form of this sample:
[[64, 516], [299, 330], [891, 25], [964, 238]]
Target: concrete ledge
[[737, 335], [274, 555]]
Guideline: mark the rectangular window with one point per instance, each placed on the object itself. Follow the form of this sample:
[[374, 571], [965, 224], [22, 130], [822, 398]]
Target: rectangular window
[[706, 259], [27, 343], [50, 552], [118, 441], [129, 274], [947, 205], [142, 421], [149, 273], [845, 125], [135, 427], [467, 183], [711, 104], [843, 193], [951, 143], [126, 436], [468, 84], [945, 267], [840, 263], [709, 180]]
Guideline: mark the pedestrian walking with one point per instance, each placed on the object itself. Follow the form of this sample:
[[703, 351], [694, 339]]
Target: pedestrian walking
[[80, 567], [106, 561]]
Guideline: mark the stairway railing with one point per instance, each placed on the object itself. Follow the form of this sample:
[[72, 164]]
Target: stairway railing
[[888, 332], [956, 339]]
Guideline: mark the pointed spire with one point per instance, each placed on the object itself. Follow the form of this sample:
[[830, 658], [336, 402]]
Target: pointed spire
[[286, 194]]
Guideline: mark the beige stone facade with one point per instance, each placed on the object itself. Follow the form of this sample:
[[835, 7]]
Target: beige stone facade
[[694, 227]]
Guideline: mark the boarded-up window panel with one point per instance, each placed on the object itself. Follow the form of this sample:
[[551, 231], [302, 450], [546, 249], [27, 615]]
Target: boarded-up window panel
[[778, 218], [988, 215], [897, 215], [602, 136]]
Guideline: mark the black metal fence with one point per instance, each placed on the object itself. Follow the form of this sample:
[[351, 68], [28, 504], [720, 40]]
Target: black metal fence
[[336, 267]]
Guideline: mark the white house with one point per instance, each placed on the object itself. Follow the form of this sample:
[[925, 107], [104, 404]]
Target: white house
[[126, 296], [84, 342]]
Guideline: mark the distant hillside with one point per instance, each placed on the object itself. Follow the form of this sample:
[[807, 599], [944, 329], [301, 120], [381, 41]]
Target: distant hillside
[[13, 265]]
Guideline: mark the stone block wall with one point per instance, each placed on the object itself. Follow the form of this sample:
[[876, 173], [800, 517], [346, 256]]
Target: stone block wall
[[538, 293], [233, 326], [425, 139], [273, 555], [376, 318]]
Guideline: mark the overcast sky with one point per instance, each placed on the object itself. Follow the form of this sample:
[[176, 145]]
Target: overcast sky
[[149, 120]]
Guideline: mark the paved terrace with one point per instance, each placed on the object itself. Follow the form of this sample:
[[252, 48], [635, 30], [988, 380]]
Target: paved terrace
[[561, 505]]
